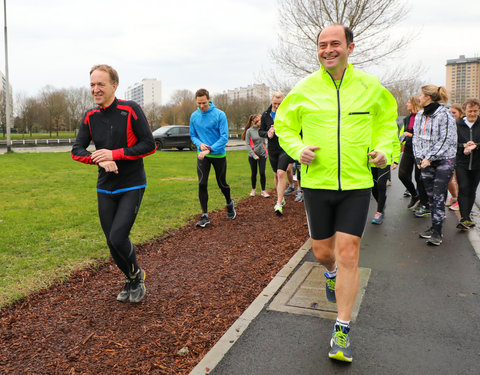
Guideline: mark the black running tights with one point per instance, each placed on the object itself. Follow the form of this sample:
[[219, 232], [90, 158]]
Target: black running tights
[[467, 187], [117, 214], [379, 190], [203, 170], [261, 162]]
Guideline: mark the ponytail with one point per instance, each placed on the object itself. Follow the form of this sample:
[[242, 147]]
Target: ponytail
[[436, 93]]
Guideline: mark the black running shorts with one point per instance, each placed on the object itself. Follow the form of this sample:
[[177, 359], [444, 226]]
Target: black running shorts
[[279, 159], [331, 211]]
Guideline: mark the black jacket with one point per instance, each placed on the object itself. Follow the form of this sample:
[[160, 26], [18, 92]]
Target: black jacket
[[123, 128], [408, 140], [265, 124], [465, 134]]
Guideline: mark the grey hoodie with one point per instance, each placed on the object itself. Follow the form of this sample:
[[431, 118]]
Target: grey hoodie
[[255, 143]]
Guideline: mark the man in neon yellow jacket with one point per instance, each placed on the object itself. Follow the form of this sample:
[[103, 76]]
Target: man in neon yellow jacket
[[338, 122]]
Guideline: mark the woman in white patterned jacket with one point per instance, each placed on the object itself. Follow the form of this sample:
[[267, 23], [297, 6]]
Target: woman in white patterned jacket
[[434, 148]]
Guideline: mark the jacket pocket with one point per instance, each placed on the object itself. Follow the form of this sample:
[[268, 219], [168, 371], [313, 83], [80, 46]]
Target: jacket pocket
[[359, 113]]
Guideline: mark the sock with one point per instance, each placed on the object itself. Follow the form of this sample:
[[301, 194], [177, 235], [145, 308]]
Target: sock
[[331, 274], [343, 325]]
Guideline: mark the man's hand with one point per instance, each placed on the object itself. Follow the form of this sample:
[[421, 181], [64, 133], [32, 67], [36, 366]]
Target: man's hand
[[425, 163], [271, 132], [202, 154], [378, 159], [408, 134], [394, 166], [102, 155], [308, 154], [109, 166], [204, 147]]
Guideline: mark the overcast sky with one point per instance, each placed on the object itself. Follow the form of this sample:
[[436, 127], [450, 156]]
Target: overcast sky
[[216, 44]]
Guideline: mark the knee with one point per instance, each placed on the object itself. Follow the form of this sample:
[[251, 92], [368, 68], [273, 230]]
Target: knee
[[347, 257], [280, 173], [202, 186]]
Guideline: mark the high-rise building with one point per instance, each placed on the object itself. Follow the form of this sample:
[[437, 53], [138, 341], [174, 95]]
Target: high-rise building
[[463, 79], [255, 91], [149, 91]]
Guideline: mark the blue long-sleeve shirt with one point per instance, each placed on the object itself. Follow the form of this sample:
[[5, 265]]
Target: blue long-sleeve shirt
[[210, 128]]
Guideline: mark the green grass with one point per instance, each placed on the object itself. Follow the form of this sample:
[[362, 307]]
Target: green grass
[[49, 223]]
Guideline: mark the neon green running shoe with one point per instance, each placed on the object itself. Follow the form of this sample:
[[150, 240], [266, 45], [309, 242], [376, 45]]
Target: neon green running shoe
[[340, 345], [278, 209]]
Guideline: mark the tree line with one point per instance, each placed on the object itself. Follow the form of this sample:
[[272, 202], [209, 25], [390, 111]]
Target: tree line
[[61, 110]]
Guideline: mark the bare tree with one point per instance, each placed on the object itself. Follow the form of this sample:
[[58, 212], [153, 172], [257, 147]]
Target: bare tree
[[370, 21], [179, 96], [153, 112], [54, 102], [78, 100]]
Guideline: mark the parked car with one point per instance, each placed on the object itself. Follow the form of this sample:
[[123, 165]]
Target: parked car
[[173, 136]]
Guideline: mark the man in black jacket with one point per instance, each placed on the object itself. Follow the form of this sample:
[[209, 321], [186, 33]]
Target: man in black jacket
[[467, 165], [279, 160], [122, 137]]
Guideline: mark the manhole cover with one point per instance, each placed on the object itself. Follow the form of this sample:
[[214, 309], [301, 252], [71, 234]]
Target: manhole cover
[[304, 293]]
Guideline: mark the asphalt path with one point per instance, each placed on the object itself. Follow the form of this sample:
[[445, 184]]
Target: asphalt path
[[419, 315]]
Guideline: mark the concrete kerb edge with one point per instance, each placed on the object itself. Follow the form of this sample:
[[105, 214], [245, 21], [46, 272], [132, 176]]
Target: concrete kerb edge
[[474, 235], [223, 345]]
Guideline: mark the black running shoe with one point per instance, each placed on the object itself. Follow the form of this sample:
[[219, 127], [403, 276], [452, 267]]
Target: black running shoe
[[426, 234], [463, 224], [436, 239], [137, 287], [124, 295], [231, 213], [203, 222], [413, 201]]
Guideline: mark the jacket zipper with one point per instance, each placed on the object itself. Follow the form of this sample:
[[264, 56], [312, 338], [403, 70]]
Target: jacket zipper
[[338, 127]]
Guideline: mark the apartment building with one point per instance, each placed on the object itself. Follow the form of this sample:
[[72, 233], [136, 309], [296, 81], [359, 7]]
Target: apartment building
[[149, 91], [463, 78], [255, 91]]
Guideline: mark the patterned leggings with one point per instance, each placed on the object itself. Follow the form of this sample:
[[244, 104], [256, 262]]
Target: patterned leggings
[[435, 178]]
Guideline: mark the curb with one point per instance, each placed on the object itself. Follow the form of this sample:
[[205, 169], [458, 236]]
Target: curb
[[223, 345]]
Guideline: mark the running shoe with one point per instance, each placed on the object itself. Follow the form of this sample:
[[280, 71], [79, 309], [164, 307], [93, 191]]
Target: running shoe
[[413, 202], [406, 193], [231, 213], [124, 295], [436, 239], [470, 224], [265, 194], [290, 189], [422, 211], [299, 196], [426, 234], [253, 193], [454, 207], [330, 288], [284, 202], [278, 209], [378, 218], [340, 344], [462, 224], [389, 183], [451, 201], [203, 222], [137, 287]]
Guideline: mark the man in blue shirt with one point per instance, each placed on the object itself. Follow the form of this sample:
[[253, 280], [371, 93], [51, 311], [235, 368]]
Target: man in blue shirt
[[209, 132]]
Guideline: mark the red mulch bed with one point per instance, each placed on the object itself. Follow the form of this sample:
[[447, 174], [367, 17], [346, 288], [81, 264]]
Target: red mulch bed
[[199, 281]]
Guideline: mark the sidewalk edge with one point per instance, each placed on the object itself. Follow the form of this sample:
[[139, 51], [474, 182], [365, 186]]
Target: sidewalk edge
[[223, 345]]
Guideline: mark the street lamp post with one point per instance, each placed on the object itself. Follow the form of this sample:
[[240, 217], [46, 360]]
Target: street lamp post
[[8, 110]]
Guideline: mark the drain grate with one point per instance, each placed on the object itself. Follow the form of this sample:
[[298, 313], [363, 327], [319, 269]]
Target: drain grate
[[304, 293]]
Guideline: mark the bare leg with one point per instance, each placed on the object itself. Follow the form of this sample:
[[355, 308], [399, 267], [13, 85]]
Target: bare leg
[[342, 249], [281, 186]]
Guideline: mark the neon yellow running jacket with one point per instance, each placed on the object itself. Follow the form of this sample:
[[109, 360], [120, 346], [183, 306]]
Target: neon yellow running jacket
[[346, 119]]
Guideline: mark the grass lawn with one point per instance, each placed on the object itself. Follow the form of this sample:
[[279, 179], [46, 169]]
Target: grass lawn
[[49, 223]]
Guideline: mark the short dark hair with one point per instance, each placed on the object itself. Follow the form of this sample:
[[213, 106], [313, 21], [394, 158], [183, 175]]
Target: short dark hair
[[202, 92], [108, 69], [348, 33]]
